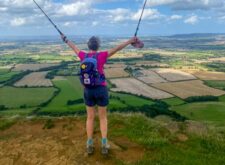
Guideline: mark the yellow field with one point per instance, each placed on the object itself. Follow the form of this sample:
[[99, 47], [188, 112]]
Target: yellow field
[[32, 67], [189, 88], [151, 63], [150, 77], [116, 65], [115, 73], [204, 75], [133, 86], [174, 75], [35, 79]]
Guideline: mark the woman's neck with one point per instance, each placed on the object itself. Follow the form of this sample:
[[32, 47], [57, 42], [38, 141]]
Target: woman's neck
[[92, 51]]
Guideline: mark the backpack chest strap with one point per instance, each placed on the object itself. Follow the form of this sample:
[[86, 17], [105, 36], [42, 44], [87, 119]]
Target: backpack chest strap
[[95, 56]]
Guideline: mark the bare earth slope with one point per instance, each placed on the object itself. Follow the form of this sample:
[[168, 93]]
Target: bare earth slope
[[27, 143]]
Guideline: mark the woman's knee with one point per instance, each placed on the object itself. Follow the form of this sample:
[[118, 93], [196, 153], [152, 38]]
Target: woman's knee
[[102, 114], [90, 113]]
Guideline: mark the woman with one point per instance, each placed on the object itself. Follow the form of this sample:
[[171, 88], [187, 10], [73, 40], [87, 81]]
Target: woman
[[99, 94]]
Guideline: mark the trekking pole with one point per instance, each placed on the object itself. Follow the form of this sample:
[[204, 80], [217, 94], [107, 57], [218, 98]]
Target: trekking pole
[[139, 44], [48, 18], [139, 22]]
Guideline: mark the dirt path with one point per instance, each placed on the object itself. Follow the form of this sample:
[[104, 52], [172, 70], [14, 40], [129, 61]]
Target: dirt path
[[27, 143]]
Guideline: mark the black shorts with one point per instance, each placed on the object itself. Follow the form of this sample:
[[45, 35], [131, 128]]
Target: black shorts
[[96, 96]]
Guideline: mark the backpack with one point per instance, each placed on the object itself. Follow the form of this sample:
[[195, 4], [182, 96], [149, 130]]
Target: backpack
[[89, 75]]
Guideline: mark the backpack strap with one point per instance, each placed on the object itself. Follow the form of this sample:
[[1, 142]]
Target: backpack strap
[[86, 55], [95, 56]]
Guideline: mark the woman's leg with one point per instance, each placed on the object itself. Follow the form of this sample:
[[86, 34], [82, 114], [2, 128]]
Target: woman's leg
[[102, 112], [90, 121]]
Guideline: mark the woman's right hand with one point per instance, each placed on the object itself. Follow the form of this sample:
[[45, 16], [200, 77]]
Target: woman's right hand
[[133, 40]]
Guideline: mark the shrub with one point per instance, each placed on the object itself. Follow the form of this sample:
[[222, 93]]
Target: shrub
[[73, 102], [3, 107], [49, 124], [23, 106], [201, 99]]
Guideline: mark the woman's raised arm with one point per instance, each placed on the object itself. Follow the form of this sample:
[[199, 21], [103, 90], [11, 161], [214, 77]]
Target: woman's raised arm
[[70, 44], [122, 46]]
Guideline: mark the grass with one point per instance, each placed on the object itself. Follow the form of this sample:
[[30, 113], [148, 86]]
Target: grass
[[3, 71], [222, 98], [113, 103], [139, 129], [6, 76], [132, 100], [13, 112], [5, 124], [174, 101], [216, 84], [163, 147], [15, 97], [208, 111], [71, 89]]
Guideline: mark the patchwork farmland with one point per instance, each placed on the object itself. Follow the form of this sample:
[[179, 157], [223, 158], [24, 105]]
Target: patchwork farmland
[[189, 88], [133, 86], [205, 75], [116, 73], [150, 77], [35, 79], [174, 75], [32, 67]]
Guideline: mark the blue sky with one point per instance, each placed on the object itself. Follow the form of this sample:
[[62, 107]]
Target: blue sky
[[112, 17]]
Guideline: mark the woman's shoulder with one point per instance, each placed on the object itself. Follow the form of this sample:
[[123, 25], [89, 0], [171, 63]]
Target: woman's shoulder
[[104, 52]]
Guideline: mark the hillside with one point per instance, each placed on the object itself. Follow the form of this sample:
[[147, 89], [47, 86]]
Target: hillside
[[134, 139]]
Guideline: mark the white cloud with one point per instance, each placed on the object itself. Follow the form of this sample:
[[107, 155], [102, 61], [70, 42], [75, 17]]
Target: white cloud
[[95, 23], [70, 23], [3, 8], [191, 20], [189, 4], [118, 15], [77, 8], [160, 2], [149, 14], [176, 17], [18, 21]]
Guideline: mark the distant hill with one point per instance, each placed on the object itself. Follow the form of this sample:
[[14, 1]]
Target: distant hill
[[197, 35]]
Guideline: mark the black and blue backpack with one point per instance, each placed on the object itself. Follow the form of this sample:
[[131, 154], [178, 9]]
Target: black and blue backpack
[[89, 75]]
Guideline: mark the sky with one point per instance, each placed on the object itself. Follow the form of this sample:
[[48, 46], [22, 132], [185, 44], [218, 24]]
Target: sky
[[111, 17]]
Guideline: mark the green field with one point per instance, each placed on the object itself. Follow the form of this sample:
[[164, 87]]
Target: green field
[[216, 84], [20, 112], [15, 97], [204, 111], [3, 71], [132, 100], [174, 101], [70, 89], [50, 58], [6, 76]]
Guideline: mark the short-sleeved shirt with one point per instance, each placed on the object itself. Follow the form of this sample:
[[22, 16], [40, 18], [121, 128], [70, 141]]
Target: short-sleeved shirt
[[101, 58]]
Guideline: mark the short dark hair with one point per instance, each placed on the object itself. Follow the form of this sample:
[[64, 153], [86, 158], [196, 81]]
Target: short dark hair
[[94, 43]]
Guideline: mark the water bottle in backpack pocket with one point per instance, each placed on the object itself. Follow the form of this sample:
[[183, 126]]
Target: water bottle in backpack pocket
[[89, 75]]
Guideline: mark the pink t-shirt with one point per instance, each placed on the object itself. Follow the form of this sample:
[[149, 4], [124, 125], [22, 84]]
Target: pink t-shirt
[[102, 59]]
